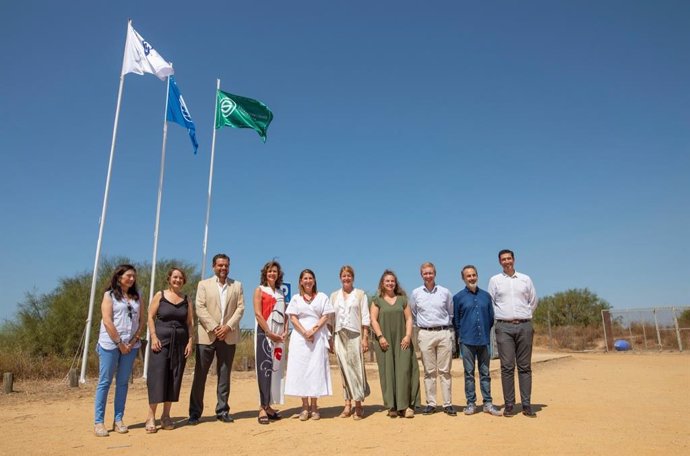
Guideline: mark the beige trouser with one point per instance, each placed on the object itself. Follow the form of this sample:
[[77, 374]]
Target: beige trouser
[[436, 348]]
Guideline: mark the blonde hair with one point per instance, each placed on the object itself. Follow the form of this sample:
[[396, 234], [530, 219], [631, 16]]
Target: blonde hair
[[428, 264], [347, 268]]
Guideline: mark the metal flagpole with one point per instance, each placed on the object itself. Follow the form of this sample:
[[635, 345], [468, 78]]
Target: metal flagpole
[[210, 184], [155, 229], [101, 223]]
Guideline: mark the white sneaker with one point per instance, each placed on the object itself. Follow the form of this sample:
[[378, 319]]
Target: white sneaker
[[490, 408]]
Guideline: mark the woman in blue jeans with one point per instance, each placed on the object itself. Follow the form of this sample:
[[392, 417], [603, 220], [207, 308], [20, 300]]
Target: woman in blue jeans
[[118, 343]]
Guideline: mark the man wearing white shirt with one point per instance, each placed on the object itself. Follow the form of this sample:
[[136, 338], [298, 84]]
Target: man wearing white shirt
[[514, 300], [219, 308], [432, 311]]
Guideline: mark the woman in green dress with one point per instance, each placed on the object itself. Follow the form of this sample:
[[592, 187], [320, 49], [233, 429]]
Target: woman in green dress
[[391, 320]]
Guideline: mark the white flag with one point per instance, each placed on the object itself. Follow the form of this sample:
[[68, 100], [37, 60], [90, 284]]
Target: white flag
[[141, 57]]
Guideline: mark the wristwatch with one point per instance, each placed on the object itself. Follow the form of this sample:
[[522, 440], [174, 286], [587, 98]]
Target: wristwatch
[[379, 337]]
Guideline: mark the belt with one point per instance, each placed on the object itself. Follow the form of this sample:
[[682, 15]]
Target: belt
[[436, 328], [517, 321]]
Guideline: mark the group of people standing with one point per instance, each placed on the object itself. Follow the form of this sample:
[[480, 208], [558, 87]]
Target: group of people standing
[[340, 323]]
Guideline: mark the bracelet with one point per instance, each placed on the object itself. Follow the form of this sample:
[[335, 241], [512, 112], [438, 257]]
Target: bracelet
[[118, 341], [379, 337]]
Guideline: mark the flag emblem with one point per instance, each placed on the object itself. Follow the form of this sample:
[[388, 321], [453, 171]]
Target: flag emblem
[[227, 107], [185, 112]]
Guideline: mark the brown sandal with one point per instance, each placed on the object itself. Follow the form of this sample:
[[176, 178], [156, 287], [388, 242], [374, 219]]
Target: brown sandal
[[359, 413], [167, 424], [347, 412]]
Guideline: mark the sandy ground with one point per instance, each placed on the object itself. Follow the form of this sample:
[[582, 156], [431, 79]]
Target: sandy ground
[[617, 403]]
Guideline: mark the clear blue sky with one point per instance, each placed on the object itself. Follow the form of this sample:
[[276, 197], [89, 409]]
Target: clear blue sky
[[404, 131]]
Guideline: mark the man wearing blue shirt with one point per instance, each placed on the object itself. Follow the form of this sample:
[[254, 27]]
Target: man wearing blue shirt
[[473, 317]]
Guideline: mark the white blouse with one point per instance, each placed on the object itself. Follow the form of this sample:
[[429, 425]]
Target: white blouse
[[126, 314], [352, 312]]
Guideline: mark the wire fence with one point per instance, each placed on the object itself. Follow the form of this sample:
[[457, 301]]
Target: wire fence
[[654, 328]]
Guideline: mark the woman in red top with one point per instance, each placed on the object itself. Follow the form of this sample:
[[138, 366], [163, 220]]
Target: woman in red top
[[269, 343]]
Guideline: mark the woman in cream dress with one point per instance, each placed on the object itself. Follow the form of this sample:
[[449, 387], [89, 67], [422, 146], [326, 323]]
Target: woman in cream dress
[[351, 328]]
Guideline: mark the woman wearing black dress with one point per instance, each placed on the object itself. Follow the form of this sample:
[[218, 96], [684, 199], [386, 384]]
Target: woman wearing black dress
[[170, 325]]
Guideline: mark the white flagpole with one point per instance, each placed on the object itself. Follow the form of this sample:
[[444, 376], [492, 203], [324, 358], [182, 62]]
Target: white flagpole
[[210, 183], [101, 223], [155, 229]]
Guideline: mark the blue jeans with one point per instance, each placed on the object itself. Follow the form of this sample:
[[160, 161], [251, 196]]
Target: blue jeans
[[481, 354], [111, 364]]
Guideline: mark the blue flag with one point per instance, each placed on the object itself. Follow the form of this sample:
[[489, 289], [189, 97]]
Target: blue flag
[[178, 113]]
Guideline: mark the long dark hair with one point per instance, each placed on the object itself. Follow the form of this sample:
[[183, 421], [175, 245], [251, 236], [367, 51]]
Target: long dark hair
[[115, 288], [264, 271]]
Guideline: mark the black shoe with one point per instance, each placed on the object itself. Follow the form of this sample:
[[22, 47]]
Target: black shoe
[[193, 420], [509, 410], [225, 417], [449, 410], [429, 410], [527, 411], [274, 417]]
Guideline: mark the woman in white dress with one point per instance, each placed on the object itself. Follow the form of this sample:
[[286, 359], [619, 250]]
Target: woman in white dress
[[308, 374], [351, 329]]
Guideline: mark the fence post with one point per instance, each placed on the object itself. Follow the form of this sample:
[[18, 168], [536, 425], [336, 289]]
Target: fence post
[[548, 322], [658, 334], [608, 329], [73, 378], [675, 323], [644, 335], [7, 381], [632, 346]]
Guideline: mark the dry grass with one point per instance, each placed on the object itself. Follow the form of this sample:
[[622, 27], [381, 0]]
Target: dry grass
[[577, 338]]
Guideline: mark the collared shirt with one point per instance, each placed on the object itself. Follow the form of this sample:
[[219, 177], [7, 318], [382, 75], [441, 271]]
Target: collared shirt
[[223, 292], [473, 316], [514, 296], [432, 308], [352, 312]]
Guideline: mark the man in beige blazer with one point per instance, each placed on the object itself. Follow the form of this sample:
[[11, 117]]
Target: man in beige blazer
[[219, 308]]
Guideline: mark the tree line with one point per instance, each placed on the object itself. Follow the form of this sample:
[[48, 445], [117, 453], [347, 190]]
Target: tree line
[[46, 332]]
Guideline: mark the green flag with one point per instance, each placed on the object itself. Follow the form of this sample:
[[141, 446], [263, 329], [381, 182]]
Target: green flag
[[241, 112]]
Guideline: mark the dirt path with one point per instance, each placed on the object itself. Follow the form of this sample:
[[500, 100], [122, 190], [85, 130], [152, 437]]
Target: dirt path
[[618, 403]]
